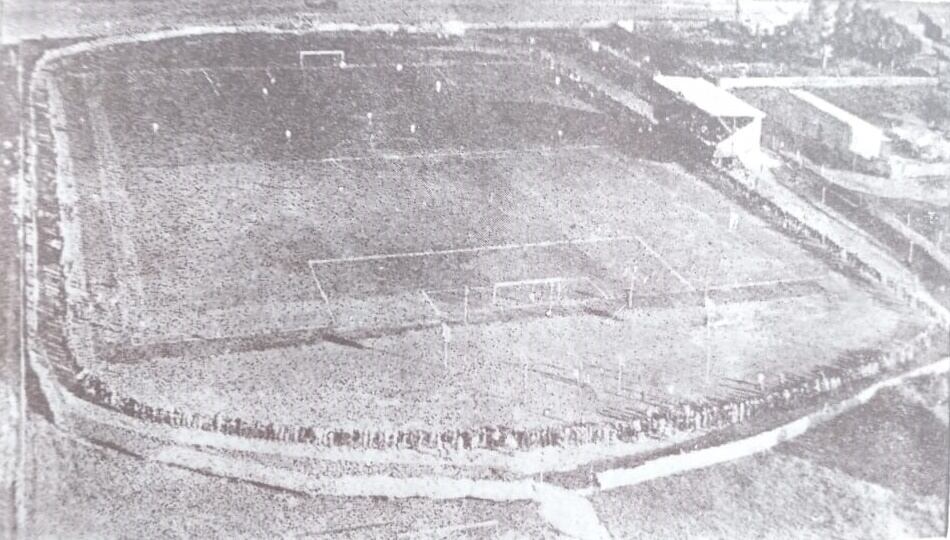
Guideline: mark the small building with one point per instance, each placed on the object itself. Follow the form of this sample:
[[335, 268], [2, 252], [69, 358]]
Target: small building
[[720, 121], [932, 30], [802, 122], [860, 136]]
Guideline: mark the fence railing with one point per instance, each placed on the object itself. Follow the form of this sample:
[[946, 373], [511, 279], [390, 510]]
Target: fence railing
[[662, 422]]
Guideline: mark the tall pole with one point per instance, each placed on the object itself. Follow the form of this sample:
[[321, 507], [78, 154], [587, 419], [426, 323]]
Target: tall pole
[[619, 374], [524, 376], [708, 334], [631, 286]]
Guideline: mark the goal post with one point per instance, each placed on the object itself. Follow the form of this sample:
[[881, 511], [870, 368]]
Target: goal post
[[550, 291], [474, 283], [322, 58]]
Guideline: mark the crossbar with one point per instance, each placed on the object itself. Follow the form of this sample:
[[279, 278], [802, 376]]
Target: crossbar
[[331, 52], [537, 281]]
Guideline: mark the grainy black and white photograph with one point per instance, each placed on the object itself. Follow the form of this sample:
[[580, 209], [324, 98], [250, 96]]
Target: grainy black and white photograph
[[475, 269]]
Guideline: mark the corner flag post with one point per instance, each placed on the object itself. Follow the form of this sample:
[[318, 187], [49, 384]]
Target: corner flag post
[[633, 277], [446, 338], [465, 306], [524, 375], [619, 373]]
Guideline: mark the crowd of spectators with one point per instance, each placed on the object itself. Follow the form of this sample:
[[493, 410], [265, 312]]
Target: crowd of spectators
[[657, 423]]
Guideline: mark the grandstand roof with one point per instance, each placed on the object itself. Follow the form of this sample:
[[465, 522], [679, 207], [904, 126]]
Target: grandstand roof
[[708, 97]]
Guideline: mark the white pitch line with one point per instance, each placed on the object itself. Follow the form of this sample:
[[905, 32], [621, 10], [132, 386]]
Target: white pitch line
[[116, 200], [259, 69], [18, 191], [765, 283], [476, 249], [457, 153], [669, 267], [211, 82], [466, 154], [428, 299]]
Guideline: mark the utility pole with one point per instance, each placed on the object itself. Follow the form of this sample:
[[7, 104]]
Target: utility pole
[[708, 333], [524, 377], [619, 373]]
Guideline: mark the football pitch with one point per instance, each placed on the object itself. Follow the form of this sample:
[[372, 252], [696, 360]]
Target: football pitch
[[309, 230]]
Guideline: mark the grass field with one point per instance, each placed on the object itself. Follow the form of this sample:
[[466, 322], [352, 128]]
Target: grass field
[[201, 221]]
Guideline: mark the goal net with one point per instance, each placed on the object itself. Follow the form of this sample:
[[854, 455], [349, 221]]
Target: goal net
[[322, 58], [545, 291], [467, 283]]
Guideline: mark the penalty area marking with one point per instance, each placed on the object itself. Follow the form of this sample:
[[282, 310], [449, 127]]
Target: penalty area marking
[[467, 154], [473, 249], [768, 282], [666, 265]]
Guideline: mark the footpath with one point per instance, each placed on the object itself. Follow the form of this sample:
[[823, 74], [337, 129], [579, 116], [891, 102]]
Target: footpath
[[837, 229]]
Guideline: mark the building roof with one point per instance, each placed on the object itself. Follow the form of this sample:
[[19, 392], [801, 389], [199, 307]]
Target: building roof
[[708, 97], [866, 138], [854, 122]]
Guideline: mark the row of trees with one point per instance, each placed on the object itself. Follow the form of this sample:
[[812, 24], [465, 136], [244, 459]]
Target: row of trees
[[847, 29]]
